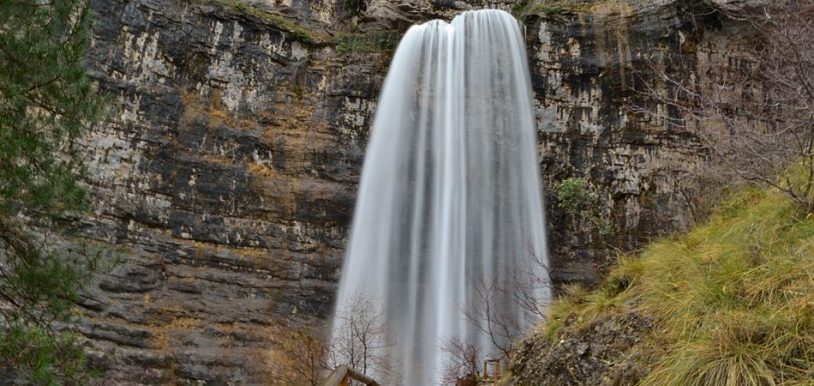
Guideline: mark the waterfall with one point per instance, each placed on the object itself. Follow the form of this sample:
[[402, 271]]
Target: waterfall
[[449, 201]]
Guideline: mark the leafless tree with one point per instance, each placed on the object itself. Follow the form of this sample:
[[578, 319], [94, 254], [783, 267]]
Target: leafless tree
[[503, 310], [359, 338], [306, 361], [531, 288], [463, 363], [755, 111], [490, 313]]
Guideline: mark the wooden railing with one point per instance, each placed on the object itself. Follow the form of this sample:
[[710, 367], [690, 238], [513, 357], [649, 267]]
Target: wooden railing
[[343, 375]]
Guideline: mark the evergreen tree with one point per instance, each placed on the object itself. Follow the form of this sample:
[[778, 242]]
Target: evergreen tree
[[47, 101]]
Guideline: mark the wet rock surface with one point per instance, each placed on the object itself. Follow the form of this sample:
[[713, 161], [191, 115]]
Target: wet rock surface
[[227, 175]]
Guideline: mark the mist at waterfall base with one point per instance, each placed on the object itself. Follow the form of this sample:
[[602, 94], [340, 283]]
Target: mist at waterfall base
[[450, 193]]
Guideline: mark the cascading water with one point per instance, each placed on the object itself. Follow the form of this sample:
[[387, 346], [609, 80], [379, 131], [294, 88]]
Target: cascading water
[[450, 193]]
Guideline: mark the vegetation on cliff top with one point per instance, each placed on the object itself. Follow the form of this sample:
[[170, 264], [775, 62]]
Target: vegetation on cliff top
[[525, 8], [373, 41], [732, 301], [376, 41], [297, 30]]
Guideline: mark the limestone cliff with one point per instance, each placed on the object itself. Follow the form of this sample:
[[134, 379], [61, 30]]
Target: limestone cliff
[[227, 172]]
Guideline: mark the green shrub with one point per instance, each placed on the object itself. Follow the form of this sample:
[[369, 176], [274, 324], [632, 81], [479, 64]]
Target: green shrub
[[48, 103], [576, 197]]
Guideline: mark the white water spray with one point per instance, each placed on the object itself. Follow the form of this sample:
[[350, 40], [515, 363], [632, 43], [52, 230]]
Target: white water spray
[[450, 191]]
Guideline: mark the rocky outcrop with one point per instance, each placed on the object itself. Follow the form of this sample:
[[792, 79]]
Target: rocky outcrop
[[226, 176], [602, 353]]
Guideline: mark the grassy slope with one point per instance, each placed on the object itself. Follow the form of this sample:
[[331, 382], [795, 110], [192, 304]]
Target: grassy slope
[[732, 301]]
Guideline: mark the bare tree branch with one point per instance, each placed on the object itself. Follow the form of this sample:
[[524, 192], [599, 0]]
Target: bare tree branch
[[754, 110]]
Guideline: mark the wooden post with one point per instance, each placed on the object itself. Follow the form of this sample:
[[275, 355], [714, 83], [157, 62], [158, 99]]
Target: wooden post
[[495, 376]]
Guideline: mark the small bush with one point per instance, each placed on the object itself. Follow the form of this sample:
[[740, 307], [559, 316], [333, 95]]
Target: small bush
[[576, 198], [575, 195]]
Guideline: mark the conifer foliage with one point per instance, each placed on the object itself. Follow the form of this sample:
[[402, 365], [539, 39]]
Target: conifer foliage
[[47, 101]]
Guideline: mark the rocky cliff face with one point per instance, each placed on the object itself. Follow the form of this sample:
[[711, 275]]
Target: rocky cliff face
[[228, 174], [228, 170], [588, 70]]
